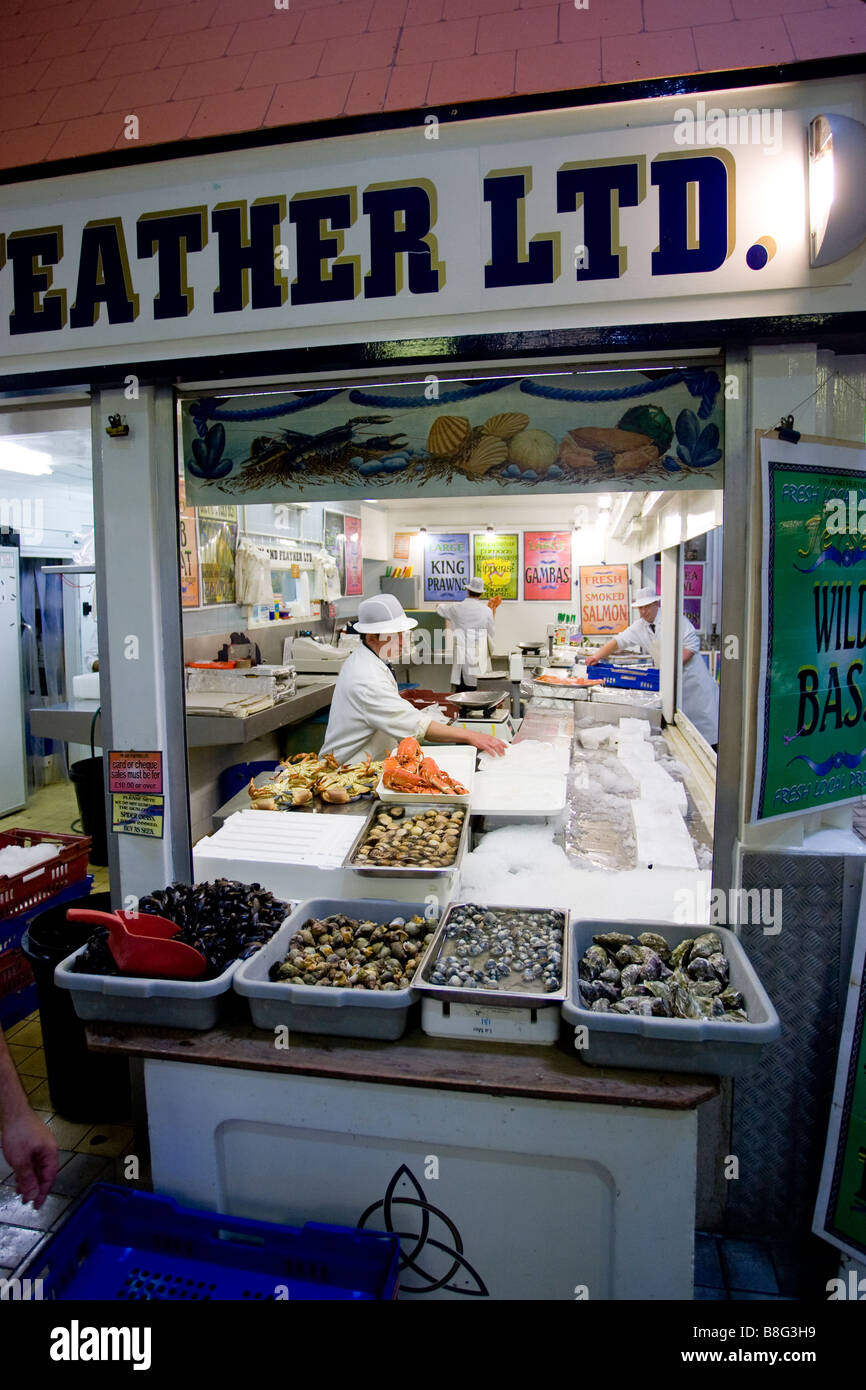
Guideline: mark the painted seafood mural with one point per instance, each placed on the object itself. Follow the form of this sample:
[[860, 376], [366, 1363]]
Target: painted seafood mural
[[616, 430]]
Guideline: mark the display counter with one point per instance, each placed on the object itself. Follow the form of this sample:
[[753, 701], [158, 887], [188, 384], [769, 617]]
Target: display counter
[[508, 1173]]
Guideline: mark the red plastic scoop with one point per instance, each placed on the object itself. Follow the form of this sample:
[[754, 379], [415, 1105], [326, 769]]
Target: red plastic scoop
[[140, 946]]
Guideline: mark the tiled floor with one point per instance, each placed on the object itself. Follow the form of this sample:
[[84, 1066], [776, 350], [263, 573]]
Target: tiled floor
[[88, 1153], [752, 1270], [54, 808]]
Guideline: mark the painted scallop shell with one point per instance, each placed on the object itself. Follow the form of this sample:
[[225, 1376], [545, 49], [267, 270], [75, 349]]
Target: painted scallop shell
[[447, 434], [487, 454], [506, 426], [533, 449]]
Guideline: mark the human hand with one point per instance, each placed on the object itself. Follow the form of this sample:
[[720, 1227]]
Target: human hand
[[486, 743], [31, 1148], [590, 660]]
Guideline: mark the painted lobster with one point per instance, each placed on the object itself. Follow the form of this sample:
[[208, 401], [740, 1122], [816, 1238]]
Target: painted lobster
[[407, 770]]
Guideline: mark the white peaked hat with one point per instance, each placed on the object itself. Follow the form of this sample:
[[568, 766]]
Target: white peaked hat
[[383, 614], [644, 597], [475, 585]]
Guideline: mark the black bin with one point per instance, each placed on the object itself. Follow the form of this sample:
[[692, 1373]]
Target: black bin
[[88, 779], [85, 1086]]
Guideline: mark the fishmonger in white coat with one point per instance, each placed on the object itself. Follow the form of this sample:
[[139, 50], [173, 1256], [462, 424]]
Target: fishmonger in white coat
[[700, 693], [368, 714], [472, 621]]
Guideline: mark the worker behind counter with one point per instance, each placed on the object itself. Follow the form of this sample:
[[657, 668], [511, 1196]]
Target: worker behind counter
[[472, 621], [368, 714], [700, 693]]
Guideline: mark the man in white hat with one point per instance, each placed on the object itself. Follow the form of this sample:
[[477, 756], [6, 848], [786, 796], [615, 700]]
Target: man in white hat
[[472, 622], [700, 693], [368, 714]]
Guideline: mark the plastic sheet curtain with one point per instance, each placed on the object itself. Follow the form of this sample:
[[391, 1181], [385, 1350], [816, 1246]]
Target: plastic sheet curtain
[[42, 665]]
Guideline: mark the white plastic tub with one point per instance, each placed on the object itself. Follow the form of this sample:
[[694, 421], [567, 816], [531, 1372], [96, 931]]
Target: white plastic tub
[[675, 1044], [196, 1004], [347, 1012]]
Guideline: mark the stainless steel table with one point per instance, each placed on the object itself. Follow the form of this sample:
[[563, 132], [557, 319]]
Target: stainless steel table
[[70, 723]]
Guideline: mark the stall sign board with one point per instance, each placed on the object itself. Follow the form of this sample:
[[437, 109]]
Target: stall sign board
[[692, 610], [354, 561], [402, 545], [151, 268], [603, 599], [811, 744], [188, 535], [693, 578], [134, 772], [137, 813], [840, 1211], [446, 566], [547, 565], [215, 512], [497, 560], [335, 544], [217, 545]]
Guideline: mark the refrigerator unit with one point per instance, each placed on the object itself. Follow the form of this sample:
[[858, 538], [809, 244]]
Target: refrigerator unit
[[13, 777]]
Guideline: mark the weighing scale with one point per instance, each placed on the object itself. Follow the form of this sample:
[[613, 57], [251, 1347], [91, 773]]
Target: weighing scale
[[310, 656], [485, 713]]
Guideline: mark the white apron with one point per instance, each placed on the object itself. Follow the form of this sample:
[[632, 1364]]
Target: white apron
[[699, 697], [472, 622], [368, 713]]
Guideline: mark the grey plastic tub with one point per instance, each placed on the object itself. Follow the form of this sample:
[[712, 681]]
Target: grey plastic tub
[[347, 1012], [674, 1044], [195, 1004]]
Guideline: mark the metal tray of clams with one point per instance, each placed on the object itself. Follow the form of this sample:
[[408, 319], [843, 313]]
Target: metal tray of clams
[[381, 812], [527, 997]]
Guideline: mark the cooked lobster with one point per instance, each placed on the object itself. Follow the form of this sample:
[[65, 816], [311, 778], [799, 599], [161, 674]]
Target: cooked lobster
[[407, 770]]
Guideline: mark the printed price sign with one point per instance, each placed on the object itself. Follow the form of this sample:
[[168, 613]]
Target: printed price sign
[[137, 814], [134, 772]]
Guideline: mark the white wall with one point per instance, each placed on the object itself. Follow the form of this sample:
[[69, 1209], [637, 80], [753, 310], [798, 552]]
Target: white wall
[[515, 621], [53, 517], [664, 519]]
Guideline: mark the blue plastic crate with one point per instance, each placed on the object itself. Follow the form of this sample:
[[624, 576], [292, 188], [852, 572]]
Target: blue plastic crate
[[122, 1245], [18, 994], [624, 678]]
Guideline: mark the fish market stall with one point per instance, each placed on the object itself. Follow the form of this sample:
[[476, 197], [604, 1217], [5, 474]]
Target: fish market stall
[[469, 1150], [407, 1050]]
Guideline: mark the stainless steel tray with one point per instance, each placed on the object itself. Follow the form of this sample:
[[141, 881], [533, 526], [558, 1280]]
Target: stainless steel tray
[[468, 699], [407, 870], [492, 998]]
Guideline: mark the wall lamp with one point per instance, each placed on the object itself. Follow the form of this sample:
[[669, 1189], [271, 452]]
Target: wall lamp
[[837, 188]]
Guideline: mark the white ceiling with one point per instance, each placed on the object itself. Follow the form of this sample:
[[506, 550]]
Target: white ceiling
[[64, 435]]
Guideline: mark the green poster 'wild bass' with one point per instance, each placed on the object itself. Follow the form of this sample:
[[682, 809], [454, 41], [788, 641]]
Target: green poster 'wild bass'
[[812, 697]]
